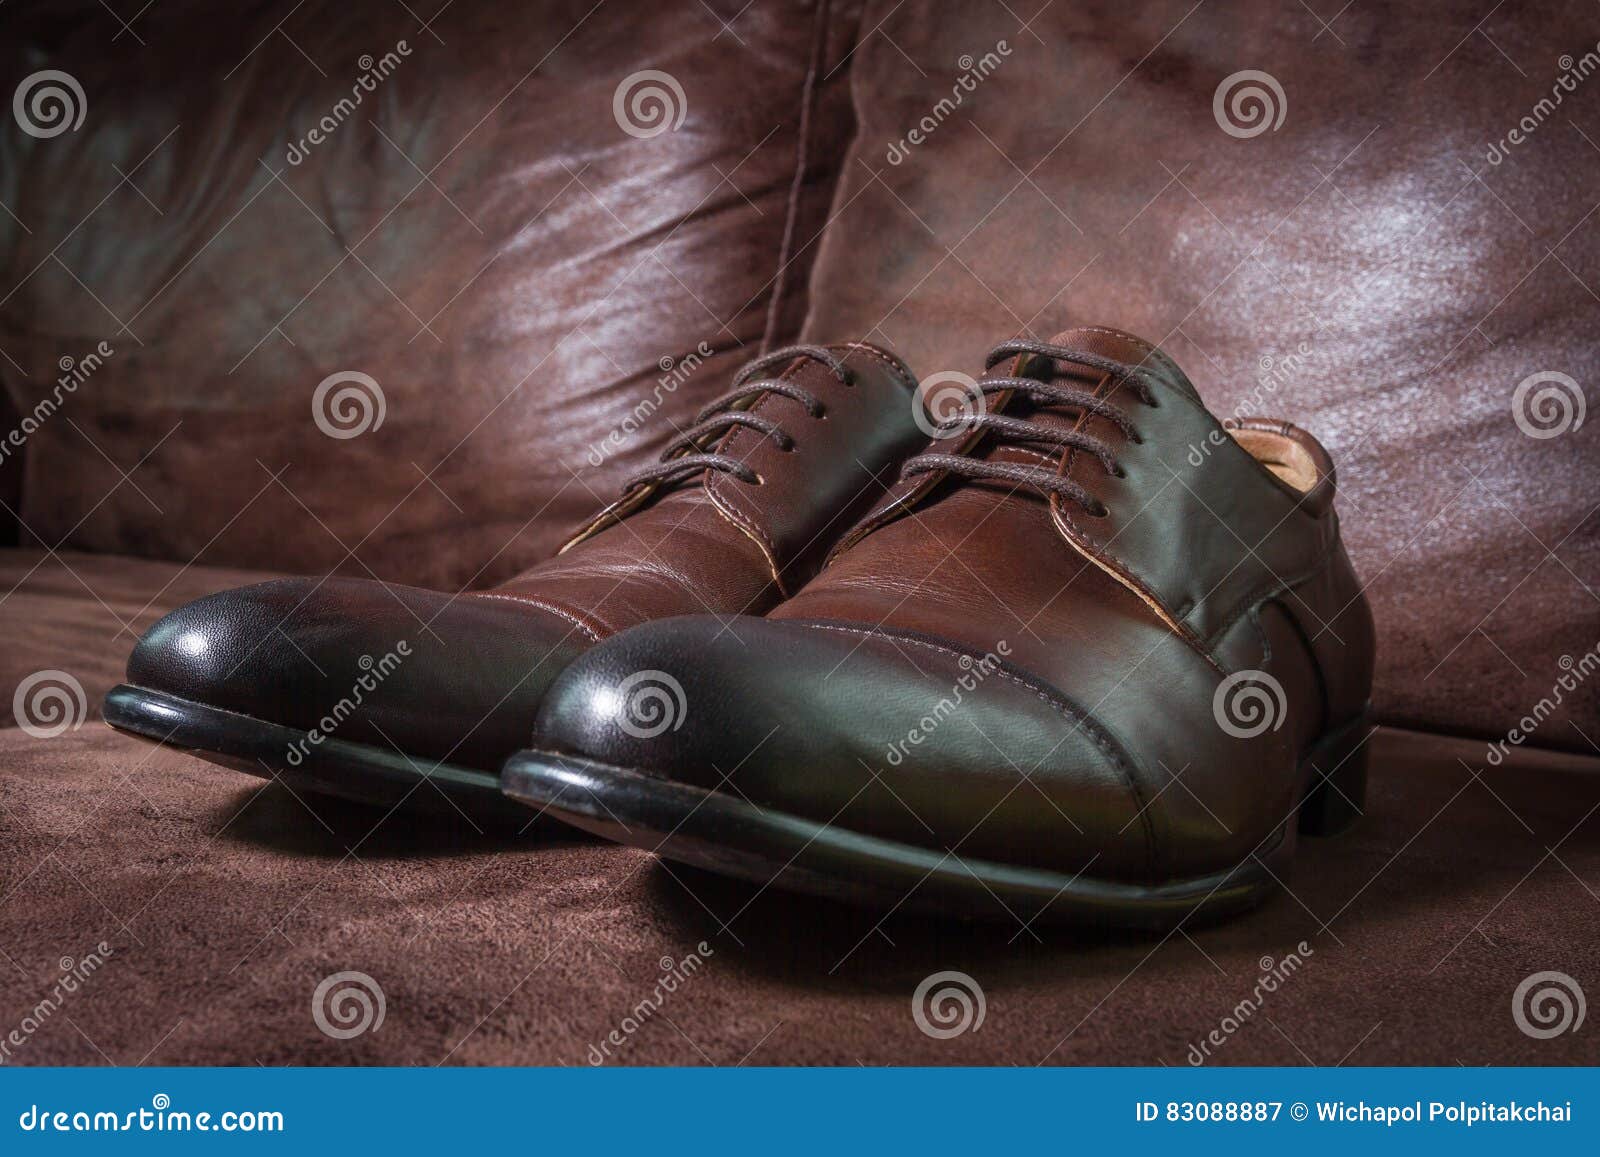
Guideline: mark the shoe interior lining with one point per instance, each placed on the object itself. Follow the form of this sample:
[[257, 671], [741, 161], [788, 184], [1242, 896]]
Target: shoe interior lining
[[1287, 459]]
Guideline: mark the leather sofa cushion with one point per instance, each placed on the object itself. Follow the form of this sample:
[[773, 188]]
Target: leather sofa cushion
[[478, 235], [1362, 270]]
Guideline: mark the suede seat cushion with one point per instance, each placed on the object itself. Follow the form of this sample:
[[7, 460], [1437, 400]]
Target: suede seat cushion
[[226, 901]]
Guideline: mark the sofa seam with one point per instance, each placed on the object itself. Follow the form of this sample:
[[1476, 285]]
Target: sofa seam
[[808, 89]]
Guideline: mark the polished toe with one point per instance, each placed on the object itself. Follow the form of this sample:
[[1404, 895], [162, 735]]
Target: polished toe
[[904, 737], [433, 675]]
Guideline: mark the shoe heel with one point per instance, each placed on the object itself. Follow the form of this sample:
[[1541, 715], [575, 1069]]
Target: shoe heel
[[1335, 775]]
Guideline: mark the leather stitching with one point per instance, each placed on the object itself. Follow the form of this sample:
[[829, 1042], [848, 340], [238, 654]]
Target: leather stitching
[[1047, 694], [1124, 573], [1165, 361], [897, 502], [1252, 598], [728, 505], [751, 531], [1274, 587], [899, 368], [595, 633]]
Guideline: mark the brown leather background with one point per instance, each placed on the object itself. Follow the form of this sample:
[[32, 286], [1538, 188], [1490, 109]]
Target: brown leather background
[[479, 236], [1400, 284], [1362, 271]]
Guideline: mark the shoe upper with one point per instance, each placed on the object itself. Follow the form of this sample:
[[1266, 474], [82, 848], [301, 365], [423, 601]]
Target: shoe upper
[[1091, 624], [741, 511]]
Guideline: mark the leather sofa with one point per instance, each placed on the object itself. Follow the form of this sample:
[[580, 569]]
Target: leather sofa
[[525, 246]]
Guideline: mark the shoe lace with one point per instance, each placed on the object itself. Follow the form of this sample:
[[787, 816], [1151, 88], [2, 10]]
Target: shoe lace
[[1043, 391], [689, 454]]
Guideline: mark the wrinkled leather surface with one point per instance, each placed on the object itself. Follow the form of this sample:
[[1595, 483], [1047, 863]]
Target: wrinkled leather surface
[[1091, 737], [479, 236], [1088, 179], [462, 675]]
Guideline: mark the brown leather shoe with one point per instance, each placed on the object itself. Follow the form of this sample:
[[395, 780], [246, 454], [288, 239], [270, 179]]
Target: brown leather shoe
[[366, 690], [1093, 657]]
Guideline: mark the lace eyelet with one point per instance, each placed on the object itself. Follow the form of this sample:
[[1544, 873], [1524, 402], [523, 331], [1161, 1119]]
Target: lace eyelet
[[1118, 472], [1101, 510], [820, 413]]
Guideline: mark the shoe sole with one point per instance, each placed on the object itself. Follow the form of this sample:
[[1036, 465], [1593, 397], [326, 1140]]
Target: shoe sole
[[729, 835], [348, 770]]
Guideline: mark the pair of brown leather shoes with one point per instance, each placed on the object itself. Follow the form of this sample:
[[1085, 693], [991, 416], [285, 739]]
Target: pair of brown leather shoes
[[1094, 655]]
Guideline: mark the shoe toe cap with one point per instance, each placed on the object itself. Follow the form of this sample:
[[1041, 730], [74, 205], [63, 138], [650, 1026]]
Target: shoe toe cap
[[900, 736], [438, 676]]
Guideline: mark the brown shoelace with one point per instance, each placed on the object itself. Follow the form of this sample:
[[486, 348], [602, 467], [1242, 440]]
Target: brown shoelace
[[1043, 391], [688, 453]]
